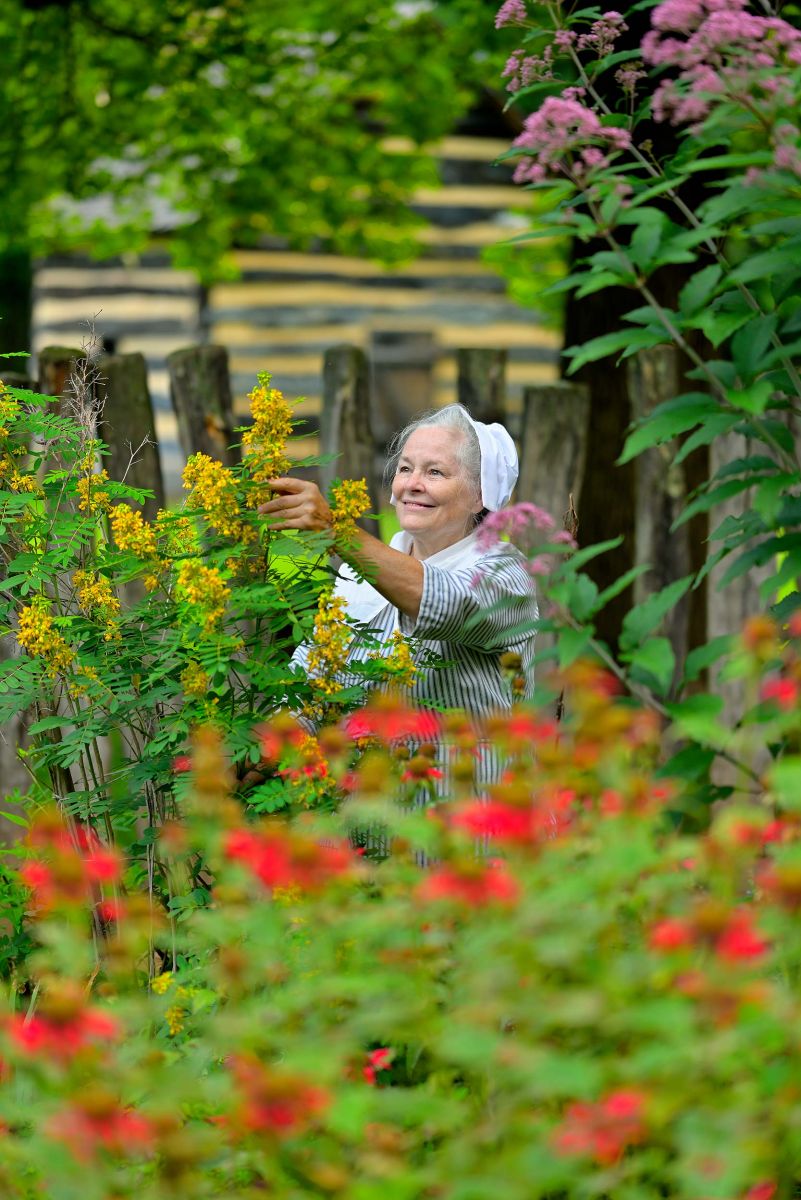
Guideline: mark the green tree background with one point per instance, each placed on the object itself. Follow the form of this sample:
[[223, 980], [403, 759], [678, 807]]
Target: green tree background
[[243, 119]]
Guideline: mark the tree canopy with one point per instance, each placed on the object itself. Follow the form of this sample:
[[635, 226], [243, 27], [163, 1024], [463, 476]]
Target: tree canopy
[[240, 119]]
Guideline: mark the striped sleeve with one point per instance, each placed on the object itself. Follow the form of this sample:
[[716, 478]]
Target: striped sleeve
[[475, 606]]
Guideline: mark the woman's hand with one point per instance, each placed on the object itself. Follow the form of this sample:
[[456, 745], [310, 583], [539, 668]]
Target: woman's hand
[[298, 504]]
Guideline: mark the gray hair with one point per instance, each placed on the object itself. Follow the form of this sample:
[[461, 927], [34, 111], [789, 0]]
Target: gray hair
[[452, 416]]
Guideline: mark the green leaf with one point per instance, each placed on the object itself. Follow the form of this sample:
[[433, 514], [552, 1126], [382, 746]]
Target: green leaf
[[624, 342], [695, 717], [587, 553], [761, 266], [667, 420], [702, 657], [754, 399], [785, 779], [654, 658], [646, 617], [620, 584], [697, 292], [571, 645]]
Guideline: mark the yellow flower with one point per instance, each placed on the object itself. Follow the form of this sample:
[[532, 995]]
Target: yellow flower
[[398, 661], [96, 598], [162, 983], [194, 680], [9, 410], [37, 635], [132, 533], [175, 1017], [179, 533], [92, 498], [349, 501], [15, 480], [205, 589], [264, 443], [329, 649], [212, 488]]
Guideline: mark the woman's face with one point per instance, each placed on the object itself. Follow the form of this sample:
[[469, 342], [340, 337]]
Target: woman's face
[[434, 499]]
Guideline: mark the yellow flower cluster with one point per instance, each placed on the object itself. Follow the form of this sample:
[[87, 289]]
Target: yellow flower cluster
[[132, 533], [96, 598], [9, 410], [77, 689], [13, 479], [194, 680], [162, 983], [329, 649], [92, 498], [399, 662], [212, 488], [265, 442], [179, 533], [349, 501], [205, 589], [37, 635]]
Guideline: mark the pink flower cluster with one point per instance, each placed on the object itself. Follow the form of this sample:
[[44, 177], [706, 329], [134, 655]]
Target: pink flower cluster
[[566, 137], [603, 34], [522, 69], [511, 12], [724, 50]]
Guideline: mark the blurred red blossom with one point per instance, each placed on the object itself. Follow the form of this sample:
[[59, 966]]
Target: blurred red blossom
[[602, 1131]]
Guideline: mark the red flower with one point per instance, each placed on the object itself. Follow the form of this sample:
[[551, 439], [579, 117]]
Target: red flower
[[602, 1131], [740, 940], [273, 1101], [117, 1130], [377, 1060], [472, 884], [103, 865], [391, 722], [283, 859], [181, 763], [63, 1037], [765, 1190], [782, 691], [670, 934]]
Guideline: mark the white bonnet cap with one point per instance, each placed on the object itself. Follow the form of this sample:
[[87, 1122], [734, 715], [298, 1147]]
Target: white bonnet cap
[[499, 466]]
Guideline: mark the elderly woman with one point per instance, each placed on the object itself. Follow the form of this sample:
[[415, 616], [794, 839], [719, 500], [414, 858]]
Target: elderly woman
[[463, 604]]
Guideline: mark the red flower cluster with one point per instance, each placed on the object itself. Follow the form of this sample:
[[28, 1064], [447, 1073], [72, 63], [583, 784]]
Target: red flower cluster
[[602, 1131], [474, 884], [281, 858], [61, 1035], [733, 936], [95, 1123], [781, 691], [273, 1101], [389, 721], [515, 823], [377, 1060], [74, 863]]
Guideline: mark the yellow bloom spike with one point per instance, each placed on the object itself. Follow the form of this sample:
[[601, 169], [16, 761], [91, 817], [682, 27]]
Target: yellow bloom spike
[[212, 488], [349, 501], [132, 533], [328, 651], [37, 635], [265, 442], [205, 589], [96, 598]]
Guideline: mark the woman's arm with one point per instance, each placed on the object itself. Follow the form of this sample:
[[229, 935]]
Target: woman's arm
[[299, 504]]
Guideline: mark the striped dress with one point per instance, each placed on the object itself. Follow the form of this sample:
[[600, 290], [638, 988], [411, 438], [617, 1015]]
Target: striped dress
[[469, 616]]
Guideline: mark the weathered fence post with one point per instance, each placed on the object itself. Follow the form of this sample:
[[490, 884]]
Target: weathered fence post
[[481, 383], [659, 495], [128, 427], [345, 426], [55, 366], [401, 380], [200, 390], [553, 445]]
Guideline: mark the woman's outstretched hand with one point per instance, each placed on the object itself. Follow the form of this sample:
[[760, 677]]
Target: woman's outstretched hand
[[298, 504]]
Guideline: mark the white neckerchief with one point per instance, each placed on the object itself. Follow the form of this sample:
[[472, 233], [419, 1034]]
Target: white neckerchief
[[363, 601]]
